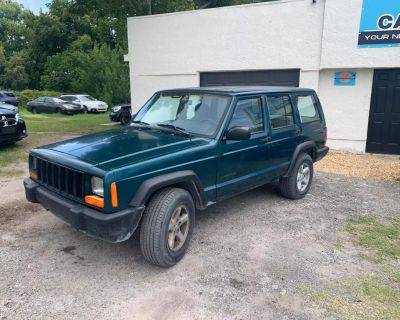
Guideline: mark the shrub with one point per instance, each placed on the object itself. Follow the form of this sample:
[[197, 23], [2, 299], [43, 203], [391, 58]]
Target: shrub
[[28, 95]]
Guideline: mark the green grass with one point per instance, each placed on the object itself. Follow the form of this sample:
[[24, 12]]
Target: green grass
[[80, 123], [380, 238], [373, 296], [48, 128]]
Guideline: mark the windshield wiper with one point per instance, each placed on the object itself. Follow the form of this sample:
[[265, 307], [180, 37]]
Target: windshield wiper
[[141, 122], [175, 128]]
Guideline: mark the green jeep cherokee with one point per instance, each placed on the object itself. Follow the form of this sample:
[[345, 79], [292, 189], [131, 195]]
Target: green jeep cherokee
[[185, 150]]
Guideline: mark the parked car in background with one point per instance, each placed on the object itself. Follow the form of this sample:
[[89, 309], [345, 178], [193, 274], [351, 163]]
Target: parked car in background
[[121, 113], [8, 97], [53, 105], [185, 150], [12, 127], [9, 106], [88, 103]]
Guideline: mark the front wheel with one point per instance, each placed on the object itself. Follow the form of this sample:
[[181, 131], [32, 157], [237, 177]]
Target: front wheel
[[297, 185], [167, 227]]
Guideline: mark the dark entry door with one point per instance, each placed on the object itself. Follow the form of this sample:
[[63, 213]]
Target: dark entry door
[[284, 78], [384, 117]]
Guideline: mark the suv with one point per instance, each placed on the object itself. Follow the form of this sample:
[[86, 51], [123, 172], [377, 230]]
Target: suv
[[185, 150], [88, 103], [9, 97]]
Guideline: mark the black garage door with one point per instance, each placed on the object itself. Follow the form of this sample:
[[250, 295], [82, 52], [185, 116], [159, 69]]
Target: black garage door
[[287, 78], [384, 117]]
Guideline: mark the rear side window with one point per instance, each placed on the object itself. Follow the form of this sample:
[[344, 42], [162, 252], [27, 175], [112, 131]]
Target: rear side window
[[280, 111], [307, 108], [248, 113]]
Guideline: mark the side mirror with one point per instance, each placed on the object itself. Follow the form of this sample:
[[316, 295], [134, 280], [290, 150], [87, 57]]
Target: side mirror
[[238, 133]]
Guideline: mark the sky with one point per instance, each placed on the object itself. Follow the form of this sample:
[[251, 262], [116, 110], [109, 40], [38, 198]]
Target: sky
[[34, 5]]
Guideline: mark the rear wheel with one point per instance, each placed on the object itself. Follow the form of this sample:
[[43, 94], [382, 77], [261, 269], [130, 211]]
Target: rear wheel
[[297, 185], [167, 227]]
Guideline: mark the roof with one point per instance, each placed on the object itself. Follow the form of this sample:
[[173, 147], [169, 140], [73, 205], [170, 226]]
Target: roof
[[238, 90]]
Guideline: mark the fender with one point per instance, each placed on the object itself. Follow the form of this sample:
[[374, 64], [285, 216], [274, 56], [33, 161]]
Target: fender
[[186, 179], [308, 145]]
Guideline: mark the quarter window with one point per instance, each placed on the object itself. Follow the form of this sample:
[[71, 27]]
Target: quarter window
[[307, 108], [280, 111], [248, 113]]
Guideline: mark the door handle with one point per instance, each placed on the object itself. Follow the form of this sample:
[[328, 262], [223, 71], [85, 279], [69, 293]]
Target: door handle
[[266, 140]]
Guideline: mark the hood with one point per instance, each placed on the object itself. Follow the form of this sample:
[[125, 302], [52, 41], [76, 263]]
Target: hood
[[94, 103], [7, 109], [125, 146]]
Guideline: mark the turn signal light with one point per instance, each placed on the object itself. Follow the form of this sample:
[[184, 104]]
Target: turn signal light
[[33, 175], [95, 201], [114, 195]]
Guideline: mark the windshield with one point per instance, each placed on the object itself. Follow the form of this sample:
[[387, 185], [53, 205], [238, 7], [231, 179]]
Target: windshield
[[195, 113], [87, 98]]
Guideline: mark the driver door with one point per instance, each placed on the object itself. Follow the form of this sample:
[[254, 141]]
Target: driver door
[[242, 165]]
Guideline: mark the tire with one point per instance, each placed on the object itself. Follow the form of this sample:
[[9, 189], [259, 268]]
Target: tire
[[34, 111], [58, 110], [293, 189], [158, 227], [125, 120], [85, 110]]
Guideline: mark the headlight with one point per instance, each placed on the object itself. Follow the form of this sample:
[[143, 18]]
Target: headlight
[[116, 109], [17, 117], [97, 186]]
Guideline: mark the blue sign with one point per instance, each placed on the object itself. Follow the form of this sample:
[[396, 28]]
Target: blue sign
[[380, 24], [345, 78]]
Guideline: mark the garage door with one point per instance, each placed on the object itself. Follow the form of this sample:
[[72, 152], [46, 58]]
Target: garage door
[[287, 78], [384, 118]]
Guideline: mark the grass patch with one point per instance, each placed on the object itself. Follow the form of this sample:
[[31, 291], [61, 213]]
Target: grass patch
[[48, 128], [375, 296], [11, 173], [369, 298], [77, 124], [380, 238]]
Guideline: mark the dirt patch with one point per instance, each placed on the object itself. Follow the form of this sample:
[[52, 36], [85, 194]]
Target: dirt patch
[[12, 213], [361, 165]]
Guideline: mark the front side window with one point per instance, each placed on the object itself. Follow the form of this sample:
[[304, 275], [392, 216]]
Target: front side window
[[248, 113], [307, 108], [280, 111], [193, 112]]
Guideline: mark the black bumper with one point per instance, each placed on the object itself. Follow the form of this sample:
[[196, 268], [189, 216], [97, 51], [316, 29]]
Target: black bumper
[[113, 227], [19, 132], [115, 117], [321, 153]]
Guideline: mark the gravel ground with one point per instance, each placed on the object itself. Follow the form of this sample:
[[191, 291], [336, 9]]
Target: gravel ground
[[255, 256]]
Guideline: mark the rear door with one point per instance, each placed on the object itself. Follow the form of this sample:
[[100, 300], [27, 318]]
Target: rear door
[[285, 132], [242, 165], [311, 117]]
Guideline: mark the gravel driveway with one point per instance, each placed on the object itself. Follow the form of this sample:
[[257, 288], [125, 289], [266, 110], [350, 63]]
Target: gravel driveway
[[255, 256]]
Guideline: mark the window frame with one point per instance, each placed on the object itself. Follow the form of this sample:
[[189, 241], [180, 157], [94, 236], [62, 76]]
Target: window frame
[[316, 106], [263, 114], [281, 94]]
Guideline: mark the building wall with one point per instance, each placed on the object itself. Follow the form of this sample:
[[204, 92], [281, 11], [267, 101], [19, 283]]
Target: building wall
[[170, 50]]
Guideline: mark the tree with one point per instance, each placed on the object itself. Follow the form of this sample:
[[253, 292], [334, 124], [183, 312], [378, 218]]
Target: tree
[[15, 74]]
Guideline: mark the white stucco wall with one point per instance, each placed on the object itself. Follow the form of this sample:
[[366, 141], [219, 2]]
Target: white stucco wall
[[273, 35], [346, 109]]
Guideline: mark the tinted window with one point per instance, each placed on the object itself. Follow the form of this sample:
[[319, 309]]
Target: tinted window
[[40, 100], [307, 108], [248, 113], [280, 111]]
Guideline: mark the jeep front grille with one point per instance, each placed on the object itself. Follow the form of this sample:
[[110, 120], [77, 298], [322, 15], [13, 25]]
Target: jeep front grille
[[65, 181]]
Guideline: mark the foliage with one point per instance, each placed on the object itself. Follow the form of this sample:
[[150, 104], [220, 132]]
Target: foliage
[[28, 95]]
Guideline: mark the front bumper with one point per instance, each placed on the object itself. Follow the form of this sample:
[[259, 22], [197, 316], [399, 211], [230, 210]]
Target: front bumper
[[115, 117], [112, 227], [13, 134]]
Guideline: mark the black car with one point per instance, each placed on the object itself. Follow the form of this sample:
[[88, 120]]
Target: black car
[[53, 105], [121, 113], [8, 97], [12, 127]]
